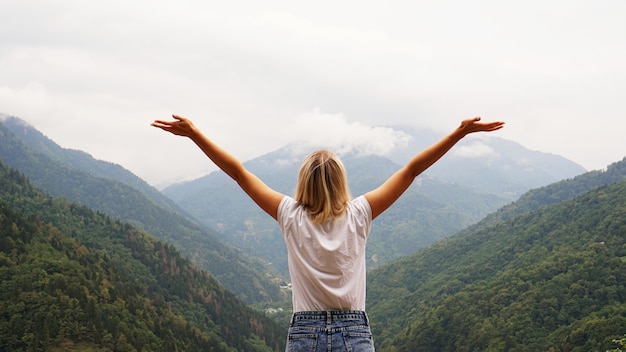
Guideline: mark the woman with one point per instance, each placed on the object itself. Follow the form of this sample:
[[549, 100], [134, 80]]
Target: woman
[[325, 232]]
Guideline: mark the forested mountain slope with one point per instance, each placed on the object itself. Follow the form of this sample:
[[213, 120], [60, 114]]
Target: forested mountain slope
[[551, 279], [71, 278], [81, 161], [75, 176], [556, 192]]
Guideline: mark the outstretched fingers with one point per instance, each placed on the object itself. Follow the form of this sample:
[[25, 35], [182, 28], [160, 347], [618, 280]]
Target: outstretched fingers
[[160, 123], [474, 125], [492, 126], [180, 126]]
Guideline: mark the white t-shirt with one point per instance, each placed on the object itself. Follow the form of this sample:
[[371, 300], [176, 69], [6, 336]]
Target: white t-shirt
[[326, 261]]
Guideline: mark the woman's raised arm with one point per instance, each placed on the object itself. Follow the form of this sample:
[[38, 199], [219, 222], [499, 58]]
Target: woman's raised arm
[[384, 196], [267, 198]]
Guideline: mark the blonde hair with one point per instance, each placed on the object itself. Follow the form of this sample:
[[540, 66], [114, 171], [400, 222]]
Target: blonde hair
[[322, 186]]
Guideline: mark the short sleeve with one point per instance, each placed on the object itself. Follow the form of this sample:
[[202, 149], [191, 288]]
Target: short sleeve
[[363, 207], [285, 212]]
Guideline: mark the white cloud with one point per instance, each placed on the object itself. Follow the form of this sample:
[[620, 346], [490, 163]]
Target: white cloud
[[332, 131], [474, 149]]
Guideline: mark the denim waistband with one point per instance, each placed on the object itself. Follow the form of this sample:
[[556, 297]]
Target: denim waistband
[[331, 315]]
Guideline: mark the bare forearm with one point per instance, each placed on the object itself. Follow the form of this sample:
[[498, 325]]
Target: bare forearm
[[425, 159], [224, 160], [387, 193], [267, 198]]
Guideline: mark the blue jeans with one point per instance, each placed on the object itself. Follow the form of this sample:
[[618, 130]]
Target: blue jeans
[[330, 331]]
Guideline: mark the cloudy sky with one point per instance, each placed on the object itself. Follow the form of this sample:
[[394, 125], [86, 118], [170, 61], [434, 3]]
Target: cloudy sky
[[255, 75]]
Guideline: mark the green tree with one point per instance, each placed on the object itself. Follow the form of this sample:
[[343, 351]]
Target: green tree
[[621, 342]]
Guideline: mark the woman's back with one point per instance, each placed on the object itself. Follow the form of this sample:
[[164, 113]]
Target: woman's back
[[326, 261]]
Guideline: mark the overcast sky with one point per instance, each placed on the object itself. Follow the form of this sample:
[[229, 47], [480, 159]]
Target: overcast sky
[[255, 75]]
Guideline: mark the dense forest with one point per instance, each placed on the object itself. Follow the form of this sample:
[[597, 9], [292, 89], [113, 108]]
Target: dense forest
[[71, 278], [550, 279]]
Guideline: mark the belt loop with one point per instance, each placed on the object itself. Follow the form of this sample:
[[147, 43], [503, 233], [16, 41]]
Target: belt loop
[[329, 317]]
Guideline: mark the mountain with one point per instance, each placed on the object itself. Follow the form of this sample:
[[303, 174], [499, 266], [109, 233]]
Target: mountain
[[545, 273], [490, 164], [112, 190], [75, 279], [79, 160], [555, 193], [441, 202]]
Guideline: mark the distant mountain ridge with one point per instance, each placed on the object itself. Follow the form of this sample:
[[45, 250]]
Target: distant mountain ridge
[[84, 162], [554, 193], [490, 163]]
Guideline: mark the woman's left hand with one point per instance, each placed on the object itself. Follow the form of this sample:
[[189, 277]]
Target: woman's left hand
[[180, 127]]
